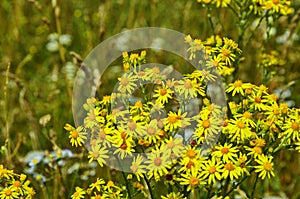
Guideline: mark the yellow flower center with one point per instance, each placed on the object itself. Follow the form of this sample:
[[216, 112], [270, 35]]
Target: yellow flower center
[[194, 181], [212, 170], [257, 100], [139, 104], [240, 124], [102, 135], [237, 83], [8, 192], [225, 52], [76, 194], [95, 154], [132, 126], [275, 2], [172, 118], [124, 81], [151, 130], [216, 64], [171, 145], [75, 134], [157, 161], [276, 111], [163, 91], [225, 150], [229, 167], [188, 84], [268, 166], [295, 126], [97, 197], [190, 164], [123, 135], [134, 167], [257, 150], [247, 115], [123, 146], [191, 153], [205, 124], [110, 183], [155, 70]]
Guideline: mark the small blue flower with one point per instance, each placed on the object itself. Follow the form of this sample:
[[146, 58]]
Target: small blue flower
[[66, 153], [33, 158], [39, 177]]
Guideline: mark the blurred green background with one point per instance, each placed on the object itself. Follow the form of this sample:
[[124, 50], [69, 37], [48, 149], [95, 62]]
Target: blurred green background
[[42, 41]]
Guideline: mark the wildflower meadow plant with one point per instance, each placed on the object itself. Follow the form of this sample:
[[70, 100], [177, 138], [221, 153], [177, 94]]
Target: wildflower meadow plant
[[147, 129], [200, 134]]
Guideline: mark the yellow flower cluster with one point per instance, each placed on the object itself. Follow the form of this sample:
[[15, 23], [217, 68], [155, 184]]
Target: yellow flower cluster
[[271, 60], [99, 190], [221, 52], [133, 59], [150, 133], [14, 185], [259, 7], [282, 7]]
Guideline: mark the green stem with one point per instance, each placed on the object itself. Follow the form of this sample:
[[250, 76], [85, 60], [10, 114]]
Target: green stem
[[149, 186], [253, 189], [5, 112]]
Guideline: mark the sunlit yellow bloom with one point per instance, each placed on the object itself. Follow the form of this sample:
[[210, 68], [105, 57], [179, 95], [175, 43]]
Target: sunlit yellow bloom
[[99, 154], [127, 83], [77, 136], [79, 193], [239, 130], [238, 87], [163, 94], [173, 195], [255, 151], [157, 164], [212, 170], [231, 170], [137, 167], [226, 152], [175, 121], [174, 147], [265, 167], [191, 179]]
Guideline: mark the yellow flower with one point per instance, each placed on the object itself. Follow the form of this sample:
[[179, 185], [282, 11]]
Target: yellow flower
[[212, 170], [265, 167], [157, 164], [152, 131], [175, 121], [173, 195], [192, 179], [163, 94], [97, 184], [247, 118], [191, 159], [226, 152], [98, 153], [239, 130], [77, 136], [292, 128], [255, 151], [231, 170], [174, 147], [189, 89], [79, 193], [222, 3], [9, 193], [238, 87], [137, 167], [127, 83]]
